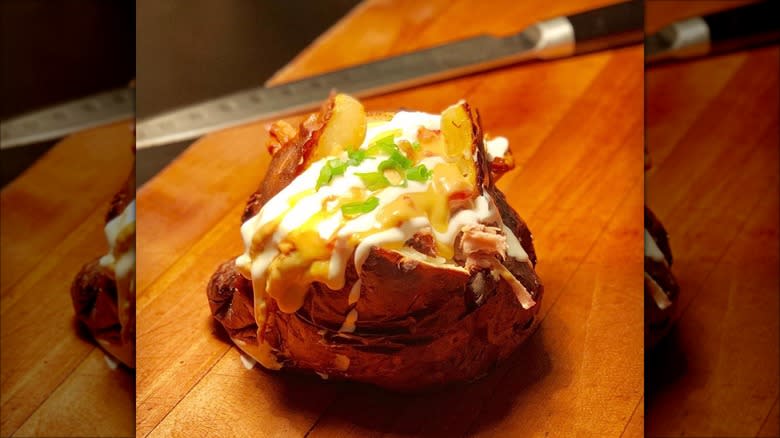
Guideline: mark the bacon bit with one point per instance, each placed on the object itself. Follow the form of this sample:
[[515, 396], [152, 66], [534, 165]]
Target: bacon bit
[[425, 135], [312, 123], [461, 195], [423, 242], [479, 239], [407, 149], [501, 165], [279, 134], [286, 247], [481, 245]]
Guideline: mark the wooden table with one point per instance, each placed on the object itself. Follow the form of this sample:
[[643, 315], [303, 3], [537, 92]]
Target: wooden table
[[54, 382], [575, 127], [712, 133]]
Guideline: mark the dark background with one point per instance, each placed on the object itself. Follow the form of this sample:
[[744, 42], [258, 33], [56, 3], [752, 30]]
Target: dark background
[[193, 50], [179, 52], [57, 50]]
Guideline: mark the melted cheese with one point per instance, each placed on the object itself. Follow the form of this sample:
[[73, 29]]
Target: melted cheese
[[354, 293], [349, 323]]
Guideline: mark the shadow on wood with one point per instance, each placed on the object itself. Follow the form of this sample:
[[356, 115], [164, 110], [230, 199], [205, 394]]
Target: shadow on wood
[[664, 365], [365, 407]]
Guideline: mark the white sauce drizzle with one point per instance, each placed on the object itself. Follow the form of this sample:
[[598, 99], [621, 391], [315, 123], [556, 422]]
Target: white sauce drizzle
[[112, 364], [496, 147], [247, 361], [651, 248], [120, 234], [514, 248]]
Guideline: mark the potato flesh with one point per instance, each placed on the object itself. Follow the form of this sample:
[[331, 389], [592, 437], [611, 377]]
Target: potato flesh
[[346, 128], [457, 127]]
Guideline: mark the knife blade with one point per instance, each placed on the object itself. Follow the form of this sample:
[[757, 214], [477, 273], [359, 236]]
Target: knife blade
[[67, 118], [722, 32], [611, 26]]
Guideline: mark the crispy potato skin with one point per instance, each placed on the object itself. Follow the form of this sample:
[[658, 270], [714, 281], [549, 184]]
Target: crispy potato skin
[[94, 298], [419, 326], [659, 321], [94, 295]]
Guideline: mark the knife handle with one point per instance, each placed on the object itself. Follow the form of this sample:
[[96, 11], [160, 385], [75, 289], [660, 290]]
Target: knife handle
[[608, 27], [746, 26]]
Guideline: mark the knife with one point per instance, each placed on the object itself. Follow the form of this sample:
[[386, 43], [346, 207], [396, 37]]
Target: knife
[[593, 30], [722, 32], [60, 120]]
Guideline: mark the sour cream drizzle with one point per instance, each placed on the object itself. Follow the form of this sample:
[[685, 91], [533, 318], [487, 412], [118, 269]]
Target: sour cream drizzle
[[120, 234], [496, 147], [652, 250]]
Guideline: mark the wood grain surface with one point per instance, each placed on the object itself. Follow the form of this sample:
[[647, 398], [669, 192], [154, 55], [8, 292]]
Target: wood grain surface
[[575, 128], [712, 134], [54, 381]]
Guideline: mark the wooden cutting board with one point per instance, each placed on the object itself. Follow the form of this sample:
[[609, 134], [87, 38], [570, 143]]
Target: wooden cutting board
[[712, 133], [575, 127], [55, 382]]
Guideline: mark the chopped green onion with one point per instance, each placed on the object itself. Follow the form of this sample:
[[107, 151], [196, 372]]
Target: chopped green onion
[[387, 140], [334, 167], [337, 167], [356, 157], [325, 175], [418, 173], [416, 145], [374, 180], [357, 208], [397, 161], [380, 149], [384, 146]]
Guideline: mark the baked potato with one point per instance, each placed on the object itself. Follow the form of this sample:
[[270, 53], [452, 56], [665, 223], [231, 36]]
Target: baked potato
[[103, 292], [661, 289], [379, 250]]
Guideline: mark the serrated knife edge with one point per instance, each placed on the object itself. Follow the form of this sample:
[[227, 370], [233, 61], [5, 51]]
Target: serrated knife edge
[[67, 118], [598, 29]]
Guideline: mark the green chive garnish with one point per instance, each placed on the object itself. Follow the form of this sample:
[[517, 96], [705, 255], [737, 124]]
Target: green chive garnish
[[332, 168], [374, 180], [337, 167], [396, 161], [380, 149], [356, 157], [416, 145], [325, 176], [357, 208], [418, 173], [383, 146]]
